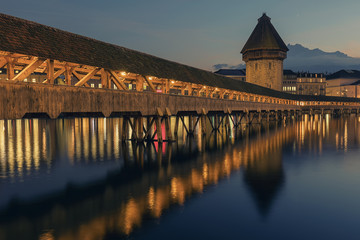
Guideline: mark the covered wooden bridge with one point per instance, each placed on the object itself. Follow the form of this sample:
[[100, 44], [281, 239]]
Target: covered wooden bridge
[[84, 76]]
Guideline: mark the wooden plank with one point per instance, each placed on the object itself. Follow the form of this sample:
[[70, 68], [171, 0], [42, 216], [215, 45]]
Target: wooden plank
[[10, 68], [68, 74], [116, 79], [50, 71], [139, 84], [28, 69], [78, 77], [105, 79], [59, 72], [87, 77]]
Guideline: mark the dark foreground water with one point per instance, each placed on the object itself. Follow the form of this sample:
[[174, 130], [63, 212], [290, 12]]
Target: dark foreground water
[[73, 179]]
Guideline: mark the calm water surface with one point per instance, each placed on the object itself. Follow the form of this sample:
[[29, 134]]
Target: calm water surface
[[75, 179]]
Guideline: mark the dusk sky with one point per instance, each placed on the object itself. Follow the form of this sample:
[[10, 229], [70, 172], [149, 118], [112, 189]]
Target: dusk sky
[[199, 33]]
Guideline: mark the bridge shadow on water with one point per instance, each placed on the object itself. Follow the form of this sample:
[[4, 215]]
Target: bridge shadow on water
[[140, 181]]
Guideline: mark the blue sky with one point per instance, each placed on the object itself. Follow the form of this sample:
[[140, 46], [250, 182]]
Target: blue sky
[[200, 33]]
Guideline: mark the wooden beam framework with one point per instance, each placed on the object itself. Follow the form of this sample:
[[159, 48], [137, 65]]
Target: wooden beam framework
[[19, 67]]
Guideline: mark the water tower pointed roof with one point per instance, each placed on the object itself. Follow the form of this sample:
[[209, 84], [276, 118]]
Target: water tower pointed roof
[[264, 37]]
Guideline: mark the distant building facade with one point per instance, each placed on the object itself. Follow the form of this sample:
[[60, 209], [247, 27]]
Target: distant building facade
[[238, 74], [304, 83], [263, 54], [344, 83], [311, 84], [289, 81]]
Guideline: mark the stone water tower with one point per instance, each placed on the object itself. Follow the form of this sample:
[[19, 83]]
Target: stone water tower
[[264, 53]]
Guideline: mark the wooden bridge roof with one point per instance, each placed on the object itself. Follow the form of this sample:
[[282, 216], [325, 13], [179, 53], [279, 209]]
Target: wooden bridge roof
[[31, 38]]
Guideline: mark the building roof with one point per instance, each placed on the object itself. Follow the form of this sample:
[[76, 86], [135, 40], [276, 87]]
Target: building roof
[[264, 37], [231, 72], [30, 38], [289, 72], [350, 74]]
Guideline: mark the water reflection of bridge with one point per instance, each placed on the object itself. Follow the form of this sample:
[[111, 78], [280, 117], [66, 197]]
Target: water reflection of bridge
[[153, 178]]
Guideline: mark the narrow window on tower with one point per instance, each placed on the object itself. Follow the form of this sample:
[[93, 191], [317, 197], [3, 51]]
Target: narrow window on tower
[[256, 65], [269, 65]]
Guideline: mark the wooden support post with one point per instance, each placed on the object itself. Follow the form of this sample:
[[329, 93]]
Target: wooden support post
[[158, 124], [191, 125], [139, 84], [158, 128], [183, 90], [10, 69], [50, 71], [149, 124], [227, 119], [68, 72], [133, 126], [168, 124], [176, 126], [190, 89], [105, 79], [167, 86], [203, 121], [140, 127]]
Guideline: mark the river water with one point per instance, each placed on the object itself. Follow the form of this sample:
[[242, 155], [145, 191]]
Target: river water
[[75, 179]]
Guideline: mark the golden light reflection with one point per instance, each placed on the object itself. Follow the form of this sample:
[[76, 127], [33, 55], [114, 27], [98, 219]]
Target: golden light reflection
[[2, 149], [132, 216], [47, 236], [171, 184]]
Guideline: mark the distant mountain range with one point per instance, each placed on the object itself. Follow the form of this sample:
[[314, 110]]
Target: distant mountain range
[[304, 59]]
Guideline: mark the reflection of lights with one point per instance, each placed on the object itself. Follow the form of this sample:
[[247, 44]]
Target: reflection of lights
[[36, 147], [2, 148], [47, 236], [19, 150], [346, 137], [132, 216], [151, 198]]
